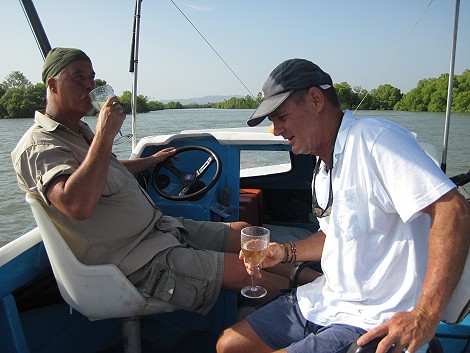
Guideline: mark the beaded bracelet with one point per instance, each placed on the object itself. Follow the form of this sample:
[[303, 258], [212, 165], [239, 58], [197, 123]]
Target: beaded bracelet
[[293, 249], [291, 252]]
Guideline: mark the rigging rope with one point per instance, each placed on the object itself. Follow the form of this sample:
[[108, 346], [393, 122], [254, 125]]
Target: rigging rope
[[396, 52], [213, 49]]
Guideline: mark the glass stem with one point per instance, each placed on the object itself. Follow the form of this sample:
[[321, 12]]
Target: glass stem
[[253, 278]]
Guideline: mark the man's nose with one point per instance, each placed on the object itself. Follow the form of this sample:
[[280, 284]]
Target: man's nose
[[90, 84], [276, 129]]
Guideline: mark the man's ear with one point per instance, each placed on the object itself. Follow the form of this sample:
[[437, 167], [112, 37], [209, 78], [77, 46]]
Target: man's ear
[[52, 84], [316, 97]]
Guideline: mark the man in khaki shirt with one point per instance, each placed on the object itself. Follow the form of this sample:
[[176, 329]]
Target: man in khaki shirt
[[102, 212]]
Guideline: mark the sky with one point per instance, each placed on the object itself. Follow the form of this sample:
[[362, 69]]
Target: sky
[[352, 40]]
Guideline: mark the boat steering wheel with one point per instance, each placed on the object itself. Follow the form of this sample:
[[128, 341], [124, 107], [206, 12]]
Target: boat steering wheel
[[192, 188]]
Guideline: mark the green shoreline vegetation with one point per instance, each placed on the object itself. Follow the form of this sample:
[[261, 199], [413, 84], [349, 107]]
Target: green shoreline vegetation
[[19, 98]]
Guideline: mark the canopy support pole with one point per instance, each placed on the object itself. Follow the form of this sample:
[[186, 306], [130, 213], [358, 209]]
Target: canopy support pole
[[36, 27], [449, 89], [133, 69]]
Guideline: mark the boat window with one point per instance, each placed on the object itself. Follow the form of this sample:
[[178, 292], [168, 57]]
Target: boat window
[[261, 162]]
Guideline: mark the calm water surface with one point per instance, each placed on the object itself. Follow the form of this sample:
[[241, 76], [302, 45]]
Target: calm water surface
[[15, 215]]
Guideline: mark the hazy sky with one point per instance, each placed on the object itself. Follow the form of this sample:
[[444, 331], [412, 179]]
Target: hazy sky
[[351, 39]]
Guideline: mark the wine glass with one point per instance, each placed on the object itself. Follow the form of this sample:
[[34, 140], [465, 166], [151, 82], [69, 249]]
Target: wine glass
[[254, 243], [99, 96]]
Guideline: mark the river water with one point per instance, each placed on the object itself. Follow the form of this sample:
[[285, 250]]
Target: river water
[[16, 217]]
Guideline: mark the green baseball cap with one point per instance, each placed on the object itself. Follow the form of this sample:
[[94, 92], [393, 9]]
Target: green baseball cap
[[58, 58]]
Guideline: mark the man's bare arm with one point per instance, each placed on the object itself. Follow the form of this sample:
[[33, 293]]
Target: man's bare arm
[[448, 249]]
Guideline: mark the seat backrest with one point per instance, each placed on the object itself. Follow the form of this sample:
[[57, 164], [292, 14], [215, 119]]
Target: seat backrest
[[96, 291], [459, 304]]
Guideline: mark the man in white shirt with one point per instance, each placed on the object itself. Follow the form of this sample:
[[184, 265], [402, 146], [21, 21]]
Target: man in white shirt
[[393, 233]]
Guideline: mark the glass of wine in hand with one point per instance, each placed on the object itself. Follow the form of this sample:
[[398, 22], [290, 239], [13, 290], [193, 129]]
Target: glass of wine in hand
[[99, 96], [254, 243]]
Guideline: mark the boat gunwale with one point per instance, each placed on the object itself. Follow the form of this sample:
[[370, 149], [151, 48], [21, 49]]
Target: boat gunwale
[[18, 246]]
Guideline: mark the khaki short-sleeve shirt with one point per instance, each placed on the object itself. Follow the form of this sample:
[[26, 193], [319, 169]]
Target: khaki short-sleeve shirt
[[122, 228]]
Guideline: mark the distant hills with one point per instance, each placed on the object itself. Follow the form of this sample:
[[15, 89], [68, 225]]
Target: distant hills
[[200, 100]]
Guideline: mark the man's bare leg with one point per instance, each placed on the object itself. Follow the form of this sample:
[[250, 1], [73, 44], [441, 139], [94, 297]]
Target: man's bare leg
[[241, 338], [236, 277], [276, 277]]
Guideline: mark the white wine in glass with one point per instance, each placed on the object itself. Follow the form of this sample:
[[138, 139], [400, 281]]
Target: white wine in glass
[[254, 244], [99, 96]]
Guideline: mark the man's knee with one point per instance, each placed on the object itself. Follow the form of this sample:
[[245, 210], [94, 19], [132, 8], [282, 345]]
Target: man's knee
[[230, 341], [239, 225], [240, 338], [233, 243], [223, 343]]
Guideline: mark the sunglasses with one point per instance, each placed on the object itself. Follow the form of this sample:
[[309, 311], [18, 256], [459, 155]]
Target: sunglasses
[[316, 209]]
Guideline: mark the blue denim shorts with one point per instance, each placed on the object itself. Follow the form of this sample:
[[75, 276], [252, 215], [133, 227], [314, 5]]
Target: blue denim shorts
[[282, 326]]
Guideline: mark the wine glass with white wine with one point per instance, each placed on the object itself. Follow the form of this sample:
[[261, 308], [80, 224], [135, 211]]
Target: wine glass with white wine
[[99, 96], [254, 243]]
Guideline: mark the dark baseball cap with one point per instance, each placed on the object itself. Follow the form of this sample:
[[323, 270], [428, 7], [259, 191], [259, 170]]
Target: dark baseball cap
[[289, 76]]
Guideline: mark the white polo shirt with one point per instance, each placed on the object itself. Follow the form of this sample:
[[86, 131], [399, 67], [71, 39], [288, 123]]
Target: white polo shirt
[[375, 254]]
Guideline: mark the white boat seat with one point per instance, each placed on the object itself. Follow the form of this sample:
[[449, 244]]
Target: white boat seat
[[96, 291]]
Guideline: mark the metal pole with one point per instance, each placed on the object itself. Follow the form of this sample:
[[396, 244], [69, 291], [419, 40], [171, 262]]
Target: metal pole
[[451, 86], [135, 64], [131, 340], [36, 27]]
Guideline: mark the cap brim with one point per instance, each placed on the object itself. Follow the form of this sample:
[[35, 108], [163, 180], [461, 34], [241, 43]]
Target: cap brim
[[267, 106]]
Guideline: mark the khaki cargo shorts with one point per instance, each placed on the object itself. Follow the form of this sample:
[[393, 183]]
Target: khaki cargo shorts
[[188, 276]]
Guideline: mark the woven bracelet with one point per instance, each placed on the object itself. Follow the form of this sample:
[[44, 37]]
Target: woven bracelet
[[293, 248]]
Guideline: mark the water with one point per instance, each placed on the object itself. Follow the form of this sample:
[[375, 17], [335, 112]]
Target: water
[[15, 215]]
